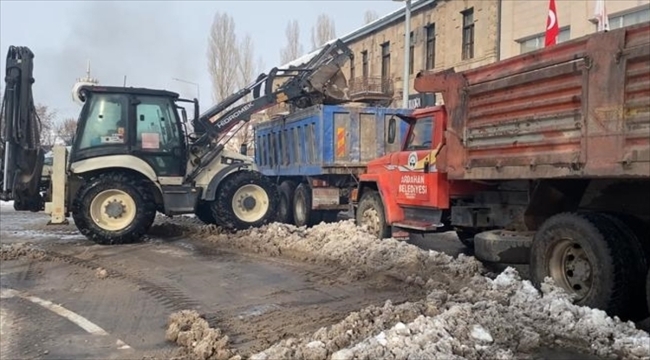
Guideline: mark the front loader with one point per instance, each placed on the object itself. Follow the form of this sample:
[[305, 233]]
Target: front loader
[[133, 156]]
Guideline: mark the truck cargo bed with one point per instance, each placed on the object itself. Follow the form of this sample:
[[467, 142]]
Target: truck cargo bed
[[325, 139], [577, 109]]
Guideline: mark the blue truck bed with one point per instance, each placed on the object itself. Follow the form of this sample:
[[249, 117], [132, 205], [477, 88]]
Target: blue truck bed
[[325, 139]]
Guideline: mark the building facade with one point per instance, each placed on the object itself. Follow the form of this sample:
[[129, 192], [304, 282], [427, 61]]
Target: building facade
[[444, 34], [522, 22], [464, 34]]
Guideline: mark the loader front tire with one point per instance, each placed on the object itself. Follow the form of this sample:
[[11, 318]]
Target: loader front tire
[[114, 208], [245, 199]]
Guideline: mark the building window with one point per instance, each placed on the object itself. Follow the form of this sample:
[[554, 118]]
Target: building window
[[385, 63], [411, 53], [364, 64], [468, 33], [352, 69], [629, 19], [537, 42], [430, 48]]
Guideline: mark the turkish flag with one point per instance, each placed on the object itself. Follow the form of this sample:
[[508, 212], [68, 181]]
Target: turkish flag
[[552, 27]]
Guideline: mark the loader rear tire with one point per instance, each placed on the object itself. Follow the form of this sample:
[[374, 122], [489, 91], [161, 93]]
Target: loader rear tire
[[114, 208], [246, 199]]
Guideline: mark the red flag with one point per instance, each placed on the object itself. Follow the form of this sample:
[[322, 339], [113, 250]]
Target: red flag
[[552, 27]]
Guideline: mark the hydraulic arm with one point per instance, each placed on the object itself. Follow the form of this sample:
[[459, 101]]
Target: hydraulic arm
[[318, 81], [21, 155]]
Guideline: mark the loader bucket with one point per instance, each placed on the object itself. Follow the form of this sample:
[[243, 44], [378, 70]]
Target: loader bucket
[[331, 83]]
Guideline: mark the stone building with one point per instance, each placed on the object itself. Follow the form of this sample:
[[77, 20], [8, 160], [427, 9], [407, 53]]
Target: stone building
[[464, 34]]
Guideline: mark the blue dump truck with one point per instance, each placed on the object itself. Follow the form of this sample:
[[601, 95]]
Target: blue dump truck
[[316, 154]]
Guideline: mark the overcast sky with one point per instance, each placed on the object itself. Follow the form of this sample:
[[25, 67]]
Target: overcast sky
[[152, 42]]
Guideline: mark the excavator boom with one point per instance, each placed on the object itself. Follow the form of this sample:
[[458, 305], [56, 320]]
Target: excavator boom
[[21, 155], [318, 81]]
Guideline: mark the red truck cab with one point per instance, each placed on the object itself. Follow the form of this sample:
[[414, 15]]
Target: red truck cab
[[406, 190]]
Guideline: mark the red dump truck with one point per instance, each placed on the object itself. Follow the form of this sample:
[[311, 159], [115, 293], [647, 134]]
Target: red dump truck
[[542, 159]]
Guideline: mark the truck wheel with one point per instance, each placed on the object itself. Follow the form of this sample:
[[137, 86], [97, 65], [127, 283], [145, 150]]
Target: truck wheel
[[586, 255], [303, 215], [245, 199], [204, 213], [285, 209], [114, 208], [371, 214], [636, 260]]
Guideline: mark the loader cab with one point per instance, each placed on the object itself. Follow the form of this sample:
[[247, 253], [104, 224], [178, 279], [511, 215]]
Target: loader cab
[[131, 121]]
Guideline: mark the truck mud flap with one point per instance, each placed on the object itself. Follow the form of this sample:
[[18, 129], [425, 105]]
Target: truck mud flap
[[502, 246]]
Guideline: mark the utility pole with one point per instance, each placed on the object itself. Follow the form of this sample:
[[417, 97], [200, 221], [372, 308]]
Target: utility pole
[[406, 81]]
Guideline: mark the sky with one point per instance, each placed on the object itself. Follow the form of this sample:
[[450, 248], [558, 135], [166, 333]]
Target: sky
[[152, 42]]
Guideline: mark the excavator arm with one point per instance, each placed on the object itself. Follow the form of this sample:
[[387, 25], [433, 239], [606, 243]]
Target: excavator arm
[[319, 80], [21, 155]]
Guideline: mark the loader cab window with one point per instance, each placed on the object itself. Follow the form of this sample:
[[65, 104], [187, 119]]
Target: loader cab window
[[105, 123], [157, 126], [158, 136], [421, 135]]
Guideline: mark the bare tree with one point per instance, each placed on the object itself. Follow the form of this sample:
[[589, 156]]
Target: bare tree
[[246, 71], [323, 31], [293, 49], [223, 56], [66, 130], [370, 16], [46, 116]]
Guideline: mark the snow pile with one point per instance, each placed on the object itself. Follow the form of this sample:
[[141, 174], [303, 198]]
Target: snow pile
[[188, 329], [345, 245], [464, 316], [17, 250], [502, 319]]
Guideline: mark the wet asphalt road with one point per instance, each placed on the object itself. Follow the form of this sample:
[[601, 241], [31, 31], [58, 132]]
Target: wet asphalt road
[[112, 302]]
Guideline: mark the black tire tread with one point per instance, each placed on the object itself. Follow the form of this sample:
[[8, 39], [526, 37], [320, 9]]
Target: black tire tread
[[313, 217], [222, 209], [637, 262], [466, 238], [615, 249], [287, 188], [647, 289], [203, 212], [145, 215]]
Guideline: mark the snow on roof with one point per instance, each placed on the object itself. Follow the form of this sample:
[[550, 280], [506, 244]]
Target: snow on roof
[[359, 32]]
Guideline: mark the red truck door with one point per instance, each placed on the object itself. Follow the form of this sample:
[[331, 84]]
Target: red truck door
[[416, 179]]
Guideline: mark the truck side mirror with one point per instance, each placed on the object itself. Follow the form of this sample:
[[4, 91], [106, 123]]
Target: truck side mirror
[[184, 115], [196, 109], [392, 130], [243, 149]]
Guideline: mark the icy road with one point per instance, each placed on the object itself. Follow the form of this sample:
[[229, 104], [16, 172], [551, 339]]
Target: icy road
[[332, 292]]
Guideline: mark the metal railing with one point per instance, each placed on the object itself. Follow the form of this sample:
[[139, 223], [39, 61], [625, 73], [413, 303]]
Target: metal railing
[[371, 87]]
